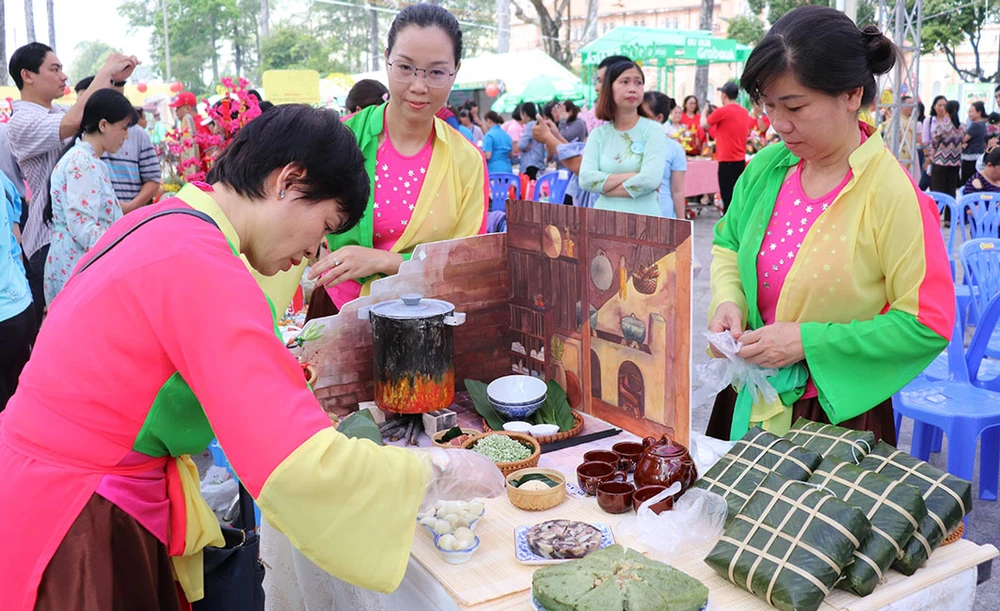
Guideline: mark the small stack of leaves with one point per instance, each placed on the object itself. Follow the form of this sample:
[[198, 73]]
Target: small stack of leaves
[[895, 510], [555, 410], [738, 473], [452, 433], [948, 500], [790, 544], [828, 440], [361, 425]]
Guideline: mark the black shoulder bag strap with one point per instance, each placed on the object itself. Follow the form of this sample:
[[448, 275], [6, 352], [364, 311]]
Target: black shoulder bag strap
[[116, 241]]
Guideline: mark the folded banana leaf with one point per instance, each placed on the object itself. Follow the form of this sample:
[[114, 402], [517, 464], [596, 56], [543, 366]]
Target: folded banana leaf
[[948, 500], [828, 440], [790, 544], [738, 473], [895, 510]]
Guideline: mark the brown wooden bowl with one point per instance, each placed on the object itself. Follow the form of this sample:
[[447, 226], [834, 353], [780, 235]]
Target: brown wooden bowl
[[509, 467], [436, 439]]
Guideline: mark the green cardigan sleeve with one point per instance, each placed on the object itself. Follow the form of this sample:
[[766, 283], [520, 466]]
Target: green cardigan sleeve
[[858, 365]]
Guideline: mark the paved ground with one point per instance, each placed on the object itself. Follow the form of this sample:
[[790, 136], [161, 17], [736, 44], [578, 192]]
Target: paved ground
[[984, 522]]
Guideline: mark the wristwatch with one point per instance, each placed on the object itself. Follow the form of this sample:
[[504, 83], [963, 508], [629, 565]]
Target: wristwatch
[[115, 83]]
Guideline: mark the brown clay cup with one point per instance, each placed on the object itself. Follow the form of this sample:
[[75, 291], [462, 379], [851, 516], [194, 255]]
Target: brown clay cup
[[602, 456], [629, 453], [615, 497], [645, 493], [592, 474]]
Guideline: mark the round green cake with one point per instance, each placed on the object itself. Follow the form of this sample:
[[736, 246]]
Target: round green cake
[[617, 579]]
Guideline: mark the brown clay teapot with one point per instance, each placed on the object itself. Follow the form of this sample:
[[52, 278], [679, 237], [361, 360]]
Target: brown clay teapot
[[664, 462]]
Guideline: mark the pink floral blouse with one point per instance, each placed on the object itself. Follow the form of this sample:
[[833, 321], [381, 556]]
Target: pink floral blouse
[[84, 205]]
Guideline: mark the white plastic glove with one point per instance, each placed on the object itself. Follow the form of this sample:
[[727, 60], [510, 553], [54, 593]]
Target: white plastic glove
[[460, 475]]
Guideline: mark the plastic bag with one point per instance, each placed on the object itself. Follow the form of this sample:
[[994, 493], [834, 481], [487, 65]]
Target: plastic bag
[[696, 521], [732, 370], [219, 488], [706, 451], [459, 475]]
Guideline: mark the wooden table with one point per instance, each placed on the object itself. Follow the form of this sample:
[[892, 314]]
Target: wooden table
[[494, 581]]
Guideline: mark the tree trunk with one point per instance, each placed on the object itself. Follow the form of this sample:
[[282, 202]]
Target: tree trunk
[[265, 19], [49, 6], [503, 26], [215, 56], [701, 73], [373, 38], [590, 26], [3, 42], [29, 20], [237, 52]]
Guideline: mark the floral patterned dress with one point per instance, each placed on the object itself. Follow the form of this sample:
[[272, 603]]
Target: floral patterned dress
[[84, 205]]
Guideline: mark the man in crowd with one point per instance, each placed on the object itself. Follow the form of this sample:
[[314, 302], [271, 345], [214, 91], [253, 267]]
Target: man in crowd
[[730, 123], [603, 67], [185, 107], [134, 169], [39, 130]]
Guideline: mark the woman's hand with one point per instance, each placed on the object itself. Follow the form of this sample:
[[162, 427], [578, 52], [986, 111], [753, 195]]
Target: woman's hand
[[728, 317], [773, 346], [353, 262]]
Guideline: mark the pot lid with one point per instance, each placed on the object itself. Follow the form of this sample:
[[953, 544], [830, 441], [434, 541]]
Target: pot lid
[[665, 447], [412, 306]]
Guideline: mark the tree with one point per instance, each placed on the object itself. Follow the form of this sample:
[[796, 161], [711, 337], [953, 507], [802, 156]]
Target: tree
[[746, 29], [29, 19], [50, 8], [90, 57], [950, 23], [552, 24], [198, 29], [701, 72], [291, 46]]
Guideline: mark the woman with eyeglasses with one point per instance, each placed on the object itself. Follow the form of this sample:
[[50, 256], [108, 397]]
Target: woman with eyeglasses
[[428, 182]]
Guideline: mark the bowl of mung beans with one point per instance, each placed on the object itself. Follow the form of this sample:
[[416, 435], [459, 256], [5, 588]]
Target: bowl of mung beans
[[509, 451]]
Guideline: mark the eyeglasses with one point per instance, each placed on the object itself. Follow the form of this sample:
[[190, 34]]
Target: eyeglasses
[[404, 73]]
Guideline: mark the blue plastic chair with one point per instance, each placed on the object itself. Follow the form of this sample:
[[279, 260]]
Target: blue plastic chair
[[980, 215], [981, 265], [557, 182], [500, 184], [956, 232], [964, 411], [219, 460]]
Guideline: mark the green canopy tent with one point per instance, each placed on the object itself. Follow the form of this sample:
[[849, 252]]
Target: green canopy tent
[[541, 90], [663, 49]]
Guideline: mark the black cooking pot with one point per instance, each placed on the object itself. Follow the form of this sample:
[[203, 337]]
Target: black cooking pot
[[413, 349]]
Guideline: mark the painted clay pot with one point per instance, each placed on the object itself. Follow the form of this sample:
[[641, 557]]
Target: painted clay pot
[[664, 462], [413, 350]]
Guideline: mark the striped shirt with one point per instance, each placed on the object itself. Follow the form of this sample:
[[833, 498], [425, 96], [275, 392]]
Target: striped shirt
[[133, 165], [8, 165], [35, 143]]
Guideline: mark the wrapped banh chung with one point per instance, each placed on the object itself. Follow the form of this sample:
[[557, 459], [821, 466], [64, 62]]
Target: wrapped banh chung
[[948, 500], [789, 544], [616, 579], [738, 473], [829, 440], [894, 508]]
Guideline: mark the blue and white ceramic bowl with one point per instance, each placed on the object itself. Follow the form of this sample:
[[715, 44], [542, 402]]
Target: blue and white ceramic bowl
[[516, 397]]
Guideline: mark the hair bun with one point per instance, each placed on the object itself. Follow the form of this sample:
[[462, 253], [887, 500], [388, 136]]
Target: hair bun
[[882, 53]]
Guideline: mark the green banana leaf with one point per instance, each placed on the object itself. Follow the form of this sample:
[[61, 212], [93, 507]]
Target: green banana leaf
[[481, 401], [361, 425]]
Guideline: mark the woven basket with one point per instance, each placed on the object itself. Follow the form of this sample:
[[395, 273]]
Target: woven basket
[[646, 286], [573, 432], [437, 439], [537, 500], [509, 467]]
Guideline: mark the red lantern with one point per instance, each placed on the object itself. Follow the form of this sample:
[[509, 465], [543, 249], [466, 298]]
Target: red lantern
[[142, 87], [177, 87], [492, 90], [67, 90]]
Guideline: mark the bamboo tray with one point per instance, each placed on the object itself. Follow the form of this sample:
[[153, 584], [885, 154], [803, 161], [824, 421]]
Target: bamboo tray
[[573, 432]]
